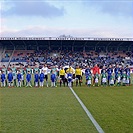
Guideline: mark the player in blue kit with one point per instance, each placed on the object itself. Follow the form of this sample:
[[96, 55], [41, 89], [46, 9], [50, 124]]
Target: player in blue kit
[[36, 79], [4, 69], [53, 79], [55, 71], [87, 73], [10, 79], [28, 79], [14, 72], [42, 77], [19, 79], [69, 79], [3, 79], [109, 72]]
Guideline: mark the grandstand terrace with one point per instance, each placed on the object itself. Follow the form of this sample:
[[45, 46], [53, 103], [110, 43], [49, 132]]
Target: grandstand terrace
[[66, 50]]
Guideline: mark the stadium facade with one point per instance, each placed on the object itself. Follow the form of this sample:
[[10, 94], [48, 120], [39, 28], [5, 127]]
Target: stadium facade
[[74, 44]]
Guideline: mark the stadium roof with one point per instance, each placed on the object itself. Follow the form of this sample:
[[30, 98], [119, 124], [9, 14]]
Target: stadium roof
[[66, 38]]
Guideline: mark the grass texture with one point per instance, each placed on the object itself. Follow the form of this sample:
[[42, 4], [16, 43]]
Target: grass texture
[[112, 107], [42, 110]]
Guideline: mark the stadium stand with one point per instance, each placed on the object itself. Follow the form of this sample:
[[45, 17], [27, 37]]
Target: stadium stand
[[66, 52]]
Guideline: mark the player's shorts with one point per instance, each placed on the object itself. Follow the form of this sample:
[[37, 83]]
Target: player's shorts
[[36, 81], [104, 80], [69, 80], [89, 82], [2, 82], [46, 77], [78, 77], [111, 82], [124, 80], [62, 77], [53, 80], [119, 80], [96, 80], [41, 81], [127, 81], [10, 81], [27, 80]]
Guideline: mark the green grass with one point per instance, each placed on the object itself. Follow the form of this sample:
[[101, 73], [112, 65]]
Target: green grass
[[112, 107], [56, 110], [46, 110]]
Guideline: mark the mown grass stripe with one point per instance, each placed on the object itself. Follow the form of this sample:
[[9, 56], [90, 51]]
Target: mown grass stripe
[[97, 126]]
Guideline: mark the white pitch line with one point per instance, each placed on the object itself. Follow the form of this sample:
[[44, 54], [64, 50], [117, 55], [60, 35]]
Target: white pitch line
[[97, 126]]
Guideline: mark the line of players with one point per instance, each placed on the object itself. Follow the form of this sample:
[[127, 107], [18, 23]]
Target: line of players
[[109, 76], [16, 77]]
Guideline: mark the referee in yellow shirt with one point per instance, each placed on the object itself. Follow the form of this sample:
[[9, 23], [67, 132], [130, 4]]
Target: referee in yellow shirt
[[70, 69], [62, 76], [78, 74]]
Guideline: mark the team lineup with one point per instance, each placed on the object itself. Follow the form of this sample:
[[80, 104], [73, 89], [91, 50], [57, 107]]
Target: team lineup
[[21, 76]]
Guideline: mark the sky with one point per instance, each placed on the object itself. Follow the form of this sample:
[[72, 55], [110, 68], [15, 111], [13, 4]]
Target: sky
[[77, 18]]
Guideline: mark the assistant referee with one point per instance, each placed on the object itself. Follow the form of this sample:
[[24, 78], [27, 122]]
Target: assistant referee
[[62, 76], [78, 74]]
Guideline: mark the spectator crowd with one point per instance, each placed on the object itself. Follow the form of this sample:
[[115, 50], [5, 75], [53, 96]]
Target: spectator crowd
[[65, 57]]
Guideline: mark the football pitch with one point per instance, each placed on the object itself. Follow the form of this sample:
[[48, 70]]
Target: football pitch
[[56, 110]]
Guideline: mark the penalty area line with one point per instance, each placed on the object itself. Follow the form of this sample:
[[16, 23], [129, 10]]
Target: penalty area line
[[97, 126]]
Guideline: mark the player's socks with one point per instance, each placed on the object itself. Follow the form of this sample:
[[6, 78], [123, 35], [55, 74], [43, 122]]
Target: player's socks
[[47, 83], [15, 84], [54, 84], [23, 83], [96, 85], [89, 85], [76, 83]]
